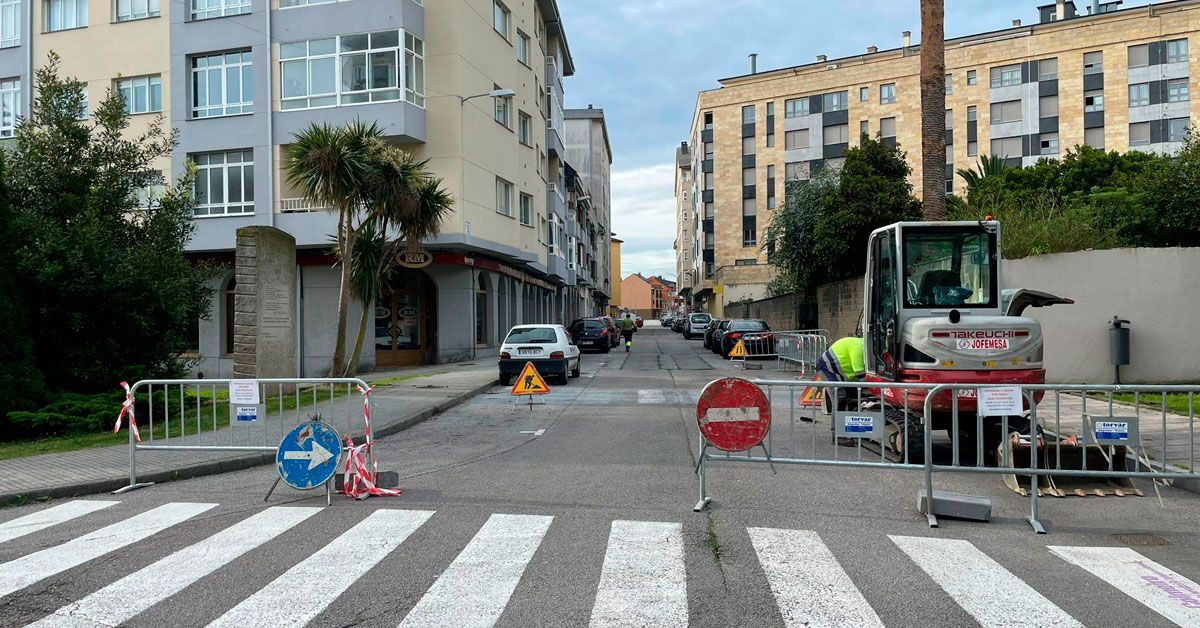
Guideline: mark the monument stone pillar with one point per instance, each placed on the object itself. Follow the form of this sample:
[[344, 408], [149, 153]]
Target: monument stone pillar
[[264, 304]]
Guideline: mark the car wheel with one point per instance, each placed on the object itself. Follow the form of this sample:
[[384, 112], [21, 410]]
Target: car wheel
[[578, 366], [606, 349], [687, 336], [505, 380], [565, 377]]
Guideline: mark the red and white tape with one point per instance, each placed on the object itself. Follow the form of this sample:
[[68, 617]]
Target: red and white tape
[[359, 479], [127, 408]]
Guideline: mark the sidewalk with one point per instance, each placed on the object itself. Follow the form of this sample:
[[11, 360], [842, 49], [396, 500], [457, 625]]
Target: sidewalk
[[425, 392]]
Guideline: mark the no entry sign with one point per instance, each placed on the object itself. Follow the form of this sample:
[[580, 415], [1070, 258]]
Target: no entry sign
[[733, 414]]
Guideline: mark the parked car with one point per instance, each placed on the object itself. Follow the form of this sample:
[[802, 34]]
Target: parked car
[[714, 338], [666, 320], [548, 347], [678, 324], [696, 323], [759, 340], [591, 333], [614, 334]]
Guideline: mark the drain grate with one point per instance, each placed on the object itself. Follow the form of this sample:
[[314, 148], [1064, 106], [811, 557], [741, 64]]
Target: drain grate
[[1140, 540]]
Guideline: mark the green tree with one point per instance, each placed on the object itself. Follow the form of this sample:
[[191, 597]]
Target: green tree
[[1172, 194], [101, 263], [21, 383]]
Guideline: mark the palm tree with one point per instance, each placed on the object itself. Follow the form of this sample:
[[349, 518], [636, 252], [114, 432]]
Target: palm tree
[[933, 109], [989, 166]]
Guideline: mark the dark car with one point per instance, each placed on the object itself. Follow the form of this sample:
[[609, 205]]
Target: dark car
[[710, 332], [715, 342], [591, 333], [678, 323], [756, 334], [614, 337]]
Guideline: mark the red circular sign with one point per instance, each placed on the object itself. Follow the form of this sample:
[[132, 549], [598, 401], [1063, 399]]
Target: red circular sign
[[733, 414]]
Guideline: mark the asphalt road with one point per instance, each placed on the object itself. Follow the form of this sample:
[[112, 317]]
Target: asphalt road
[[579, 511]]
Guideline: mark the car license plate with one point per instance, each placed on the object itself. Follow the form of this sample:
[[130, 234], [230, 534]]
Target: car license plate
[[528, 351]]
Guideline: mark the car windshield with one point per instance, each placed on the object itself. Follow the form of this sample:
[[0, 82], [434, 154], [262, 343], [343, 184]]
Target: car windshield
[[532, 336], [701, 318], [748, 326], [578, 325], [949, 266]]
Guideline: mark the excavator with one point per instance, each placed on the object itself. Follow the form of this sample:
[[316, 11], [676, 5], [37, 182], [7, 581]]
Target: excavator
[[935, 313]]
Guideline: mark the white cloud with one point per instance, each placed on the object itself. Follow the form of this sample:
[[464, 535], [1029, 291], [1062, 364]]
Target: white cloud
[[643, 215]]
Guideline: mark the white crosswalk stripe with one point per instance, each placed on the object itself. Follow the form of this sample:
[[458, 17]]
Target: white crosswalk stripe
[[53, 516], [809, 585], [138, 591], [1166, 592], [22, 572], [301, 593], [476, 587], [642, 582], [983, 588]]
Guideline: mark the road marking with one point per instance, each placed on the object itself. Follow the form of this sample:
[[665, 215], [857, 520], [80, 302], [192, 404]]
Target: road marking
[[122, 600], [642, 582], [534, 432], [43, 519], [299, 595], [983, 588], [476, 587], [651, 397], [1162, 590], [810, 587], [26, 570]]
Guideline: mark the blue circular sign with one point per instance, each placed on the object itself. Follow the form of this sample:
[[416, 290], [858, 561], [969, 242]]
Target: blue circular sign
[[307, 457]]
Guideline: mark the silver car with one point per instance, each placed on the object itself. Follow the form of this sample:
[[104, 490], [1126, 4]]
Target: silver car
[[695, 325]]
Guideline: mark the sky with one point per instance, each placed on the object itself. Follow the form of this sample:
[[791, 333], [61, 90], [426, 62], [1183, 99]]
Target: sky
[[644, 61]]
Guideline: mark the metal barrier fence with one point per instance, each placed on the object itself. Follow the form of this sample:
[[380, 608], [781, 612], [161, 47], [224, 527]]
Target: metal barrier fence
[[1102, 437], [798, 350], [212, 415]]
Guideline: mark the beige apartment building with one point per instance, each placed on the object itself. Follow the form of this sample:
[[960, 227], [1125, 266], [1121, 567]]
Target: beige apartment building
[[476, 87], [1102, 75]]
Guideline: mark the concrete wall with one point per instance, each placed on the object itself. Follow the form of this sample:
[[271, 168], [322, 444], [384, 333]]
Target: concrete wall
[[780, 313], [839, 307], [318, 322], [1157, 289]]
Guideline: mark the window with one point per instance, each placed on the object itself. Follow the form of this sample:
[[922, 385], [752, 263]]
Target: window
[[949, 84], [1139, 134], [887, 93], [222, 84], [798, 170], [795, 139], [887, 127], [747, 176], [82, 112], [522, 47], [708, 181], [224, 183], [1006, 76], [1094, 137], [142, 94], [541, 161], [972, 114], [300, 3], [10, 23], [1048, 69], [1049, 143], [748, 145], [1048, 107], [1009, 111], [972, 77], [64, 14], [949, 119], [504, 193], [414, 70], [949, 266], [1093, 101], [500, 18], [1006, 147], [503, 112], [708, 120], [1177, 51], [745, 262], [524, 128], [1093, 62], [864, 128], [1139, 56], [10, 105], [837, 101], [750, 236], [749, 208], [205, 9], [864, 94], [770, 140], [708, 150], [795, 107], [136, 9], [972, 149], [837, 134], [1139, 95], [748, 114], [150, 195], [1177, 129], [1177, 90]]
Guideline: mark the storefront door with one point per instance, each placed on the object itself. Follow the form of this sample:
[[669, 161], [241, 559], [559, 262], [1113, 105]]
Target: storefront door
[[404, 317]]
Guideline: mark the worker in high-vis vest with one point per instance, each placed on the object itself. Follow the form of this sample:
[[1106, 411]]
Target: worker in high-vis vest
[[843, 361]]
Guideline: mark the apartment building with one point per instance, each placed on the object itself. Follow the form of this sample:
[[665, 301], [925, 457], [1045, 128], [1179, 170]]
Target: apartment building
[[686, 246], [1102, 75], [589, 151], [475, 87], [615, 303]]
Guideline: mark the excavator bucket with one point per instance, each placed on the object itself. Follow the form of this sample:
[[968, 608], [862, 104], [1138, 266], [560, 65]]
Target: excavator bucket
[[1056, 453]]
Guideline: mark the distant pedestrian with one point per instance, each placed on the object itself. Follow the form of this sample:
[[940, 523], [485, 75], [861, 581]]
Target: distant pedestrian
[[628, 326]]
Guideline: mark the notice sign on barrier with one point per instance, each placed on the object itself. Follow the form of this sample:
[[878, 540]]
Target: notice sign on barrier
[[243, 415], [243, 392], [859, 424], [1112, 430], [733, 414], [1001, 401]]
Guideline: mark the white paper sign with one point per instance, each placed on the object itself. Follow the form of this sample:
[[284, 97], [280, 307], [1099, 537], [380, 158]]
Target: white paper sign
[[1002, 401], [243, 392]]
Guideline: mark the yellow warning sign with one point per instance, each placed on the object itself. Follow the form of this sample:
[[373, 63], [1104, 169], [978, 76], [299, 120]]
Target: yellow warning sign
[[530, 382], [738, 350]]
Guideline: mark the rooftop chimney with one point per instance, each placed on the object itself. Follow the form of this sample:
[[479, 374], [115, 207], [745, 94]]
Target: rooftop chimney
[[754, 63], [1016, 22], [822, 58], [906, 37], [872, 49], [1060, 9]]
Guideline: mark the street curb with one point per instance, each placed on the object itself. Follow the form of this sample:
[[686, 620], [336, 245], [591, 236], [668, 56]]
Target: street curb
[[238, 463]]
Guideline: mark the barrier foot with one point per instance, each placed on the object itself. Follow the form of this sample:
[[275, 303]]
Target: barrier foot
[[932, 518], [702, 504], [1036, 525], [131, 487]]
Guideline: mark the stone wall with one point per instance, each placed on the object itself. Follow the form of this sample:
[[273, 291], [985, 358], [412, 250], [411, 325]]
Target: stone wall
[[839, 308], [781, 313]]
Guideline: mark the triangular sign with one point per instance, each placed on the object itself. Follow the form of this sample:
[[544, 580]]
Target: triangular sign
[[738, 350], [530, 382], [811, 397]]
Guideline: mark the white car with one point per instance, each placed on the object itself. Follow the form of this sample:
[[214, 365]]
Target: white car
[[695, 325], [549, 347]]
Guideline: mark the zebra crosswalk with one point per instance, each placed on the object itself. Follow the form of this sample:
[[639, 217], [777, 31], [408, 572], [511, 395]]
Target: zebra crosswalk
[[642, 581]]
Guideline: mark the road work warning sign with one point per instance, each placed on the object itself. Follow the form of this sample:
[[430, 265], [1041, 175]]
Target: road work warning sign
[[530, 382], [738, 350]]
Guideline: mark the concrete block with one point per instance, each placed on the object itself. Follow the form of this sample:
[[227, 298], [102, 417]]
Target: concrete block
[[957, 506]]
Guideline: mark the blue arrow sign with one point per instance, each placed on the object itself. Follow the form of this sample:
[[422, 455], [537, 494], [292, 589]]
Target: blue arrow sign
[[307, 457]]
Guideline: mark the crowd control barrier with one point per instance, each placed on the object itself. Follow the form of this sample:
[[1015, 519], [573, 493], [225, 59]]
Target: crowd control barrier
[[798, 351]]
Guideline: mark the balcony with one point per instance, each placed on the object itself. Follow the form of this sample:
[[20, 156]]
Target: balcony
[[555, 133]]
